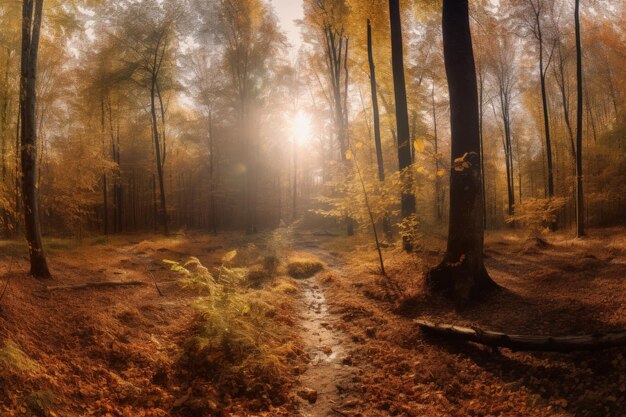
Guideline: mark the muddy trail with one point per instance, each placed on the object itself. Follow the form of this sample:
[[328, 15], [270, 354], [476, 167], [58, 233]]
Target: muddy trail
[[325, 386]]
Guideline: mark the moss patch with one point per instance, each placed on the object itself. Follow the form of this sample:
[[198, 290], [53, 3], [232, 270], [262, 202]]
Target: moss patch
[[13, 357]]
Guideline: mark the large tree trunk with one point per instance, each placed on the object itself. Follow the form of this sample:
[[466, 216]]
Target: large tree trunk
[[377, 137], [462, 274], [580, 202], [402, 114], [31, 25]]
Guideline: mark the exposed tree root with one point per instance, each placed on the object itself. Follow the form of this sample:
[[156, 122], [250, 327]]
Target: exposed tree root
[[460, 282], [526, 342]]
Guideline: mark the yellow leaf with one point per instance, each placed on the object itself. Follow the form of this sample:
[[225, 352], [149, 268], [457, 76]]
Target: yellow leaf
[[229, 256], [348, 154], [418, 144], [359, 145], [440, 173], [421, 170]]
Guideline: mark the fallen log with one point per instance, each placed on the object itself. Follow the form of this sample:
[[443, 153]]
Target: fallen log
[[101, 284], [517, 342]]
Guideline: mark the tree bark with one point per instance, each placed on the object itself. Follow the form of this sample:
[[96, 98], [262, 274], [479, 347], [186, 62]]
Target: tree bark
[[105, 194], [580, 202], [212, 218], [375, 110], [526, 342], [462, 274], [402, 114], [438, 202], [544, 102], [159, 163], [31, 27]]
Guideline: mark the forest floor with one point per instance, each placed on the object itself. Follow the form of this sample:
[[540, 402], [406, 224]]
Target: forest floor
[[345, 347]]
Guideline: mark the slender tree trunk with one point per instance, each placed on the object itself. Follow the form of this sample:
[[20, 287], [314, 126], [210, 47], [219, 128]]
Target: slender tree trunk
[[105, 194], [4, 133], [560, 78], [375, 110], [159, 163], [462, 273], [481, 111], [546, 118], [31, 26], [155, 206], [580, 202], [402, 114], [294, 191], [212, 218], [18, 129], [438, 205]]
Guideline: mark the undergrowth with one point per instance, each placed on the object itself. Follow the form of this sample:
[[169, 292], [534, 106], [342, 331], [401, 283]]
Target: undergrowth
[[243, 338], [304, 267]]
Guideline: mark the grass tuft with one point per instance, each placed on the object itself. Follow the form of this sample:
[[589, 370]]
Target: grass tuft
[[303, 267]]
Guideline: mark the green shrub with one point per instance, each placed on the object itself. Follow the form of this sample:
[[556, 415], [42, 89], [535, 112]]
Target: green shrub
[[237, 334]]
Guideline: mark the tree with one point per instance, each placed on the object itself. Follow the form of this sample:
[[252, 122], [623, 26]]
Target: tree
[[377, 139], [250, 35], [580, 201], [328, 18], [402, 114], [32, 11], [532, 12], [502, 66], [462, 273], [147, 37]]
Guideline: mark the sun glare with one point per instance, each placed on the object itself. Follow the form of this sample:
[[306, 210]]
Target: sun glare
[[302, 128]]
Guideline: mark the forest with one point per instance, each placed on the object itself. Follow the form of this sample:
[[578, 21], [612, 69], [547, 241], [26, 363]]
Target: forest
[[312, 208]]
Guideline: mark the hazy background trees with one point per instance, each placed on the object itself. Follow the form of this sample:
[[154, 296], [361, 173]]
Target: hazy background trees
[[172, 115]]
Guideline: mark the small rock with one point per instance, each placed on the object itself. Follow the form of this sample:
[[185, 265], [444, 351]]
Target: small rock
[[308, 394], [327, 350]]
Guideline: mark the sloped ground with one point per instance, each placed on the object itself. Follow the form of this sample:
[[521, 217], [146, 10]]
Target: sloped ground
[[118, 351], [565, 287]]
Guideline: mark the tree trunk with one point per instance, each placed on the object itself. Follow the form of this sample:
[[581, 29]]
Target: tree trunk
[[580, 202], [596, 341], [31, 26], [18, 129], [438, 205], [212, 218], [546, 118], [105, 196], [377, 137], [402, 114], [481, 111], [159, 163], [462, 274]]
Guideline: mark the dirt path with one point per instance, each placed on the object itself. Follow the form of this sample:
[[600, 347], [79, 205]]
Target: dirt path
[[329, 373]]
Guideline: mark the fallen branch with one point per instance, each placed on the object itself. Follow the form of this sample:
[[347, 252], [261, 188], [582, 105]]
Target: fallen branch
[[596, 341], [156, 284], [102, 284]]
